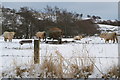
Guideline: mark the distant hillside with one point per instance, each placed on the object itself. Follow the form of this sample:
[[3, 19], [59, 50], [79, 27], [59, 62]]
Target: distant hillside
[[109, 22], [108, 28]]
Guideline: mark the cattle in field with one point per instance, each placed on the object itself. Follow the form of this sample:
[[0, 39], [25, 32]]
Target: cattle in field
[[55, 33], [78, 37], [109, 36], [41, 35], [8, 35]]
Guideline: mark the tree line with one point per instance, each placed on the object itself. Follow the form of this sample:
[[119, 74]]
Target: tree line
[[27, 21], [110, 22]]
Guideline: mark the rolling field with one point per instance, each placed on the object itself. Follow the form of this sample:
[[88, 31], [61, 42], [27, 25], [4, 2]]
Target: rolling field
[[104, 55]]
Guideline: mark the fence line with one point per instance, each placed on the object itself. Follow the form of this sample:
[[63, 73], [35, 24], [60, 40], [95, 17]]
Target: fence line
[[53, 56], [87, 42]]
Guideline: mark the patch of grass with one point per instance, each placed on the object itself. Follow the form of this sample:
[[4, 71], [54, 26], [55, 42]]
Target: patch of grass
[[113, 72], [52, 66], [79, 69]]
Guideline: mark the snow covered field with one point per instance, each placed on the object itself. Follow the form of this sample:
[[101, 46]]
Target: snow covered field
[[105, 54]]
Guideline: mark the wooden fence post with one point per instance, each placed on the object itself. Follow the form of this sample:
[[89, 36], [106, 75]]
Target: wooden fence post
[[36, 52]]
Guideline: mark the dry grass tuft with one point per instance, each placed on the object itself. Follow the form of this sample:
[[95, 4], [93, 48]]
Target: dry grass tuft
[[52, 66], [79, 69], [113, 72], [20, 71]]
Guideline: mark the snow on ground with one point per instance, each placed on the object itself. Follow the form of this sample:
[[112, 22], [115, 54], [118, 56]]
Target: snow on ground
[[106, 55], [104, 27]]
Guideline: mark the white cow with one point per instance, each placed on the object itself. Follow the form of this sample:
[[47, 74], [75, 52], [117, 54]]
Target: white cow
[[109, 36], [41, 35], [8, 35], [78, 37]]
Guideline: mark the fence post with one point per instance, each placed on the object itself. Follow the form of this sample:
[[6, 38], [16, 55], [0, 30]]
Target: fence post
[[36, 52]]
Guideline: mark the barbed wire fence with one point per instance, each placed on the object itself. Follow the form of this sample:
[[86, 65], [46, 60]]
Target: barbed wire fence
[[89, 57]]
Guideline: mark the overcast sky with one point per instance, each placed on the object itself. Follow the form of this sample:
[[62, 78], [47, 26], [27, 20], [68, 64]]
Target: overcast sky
[[106, 10]]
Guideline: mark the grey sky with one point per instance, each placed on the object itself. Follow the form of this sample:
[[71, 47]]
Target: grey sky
[[107, 10]]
